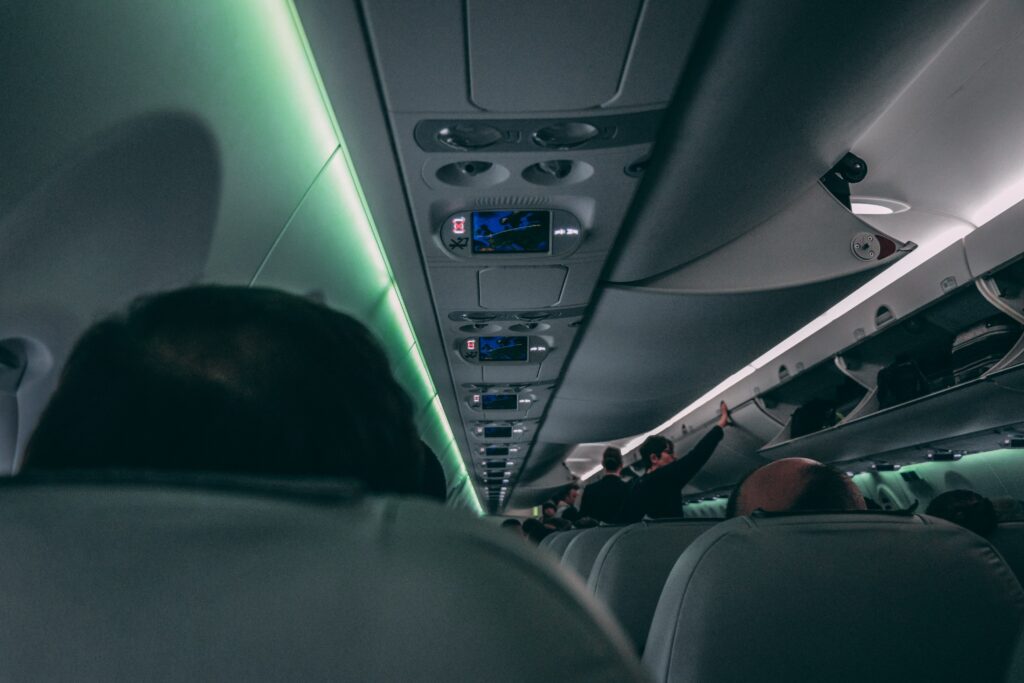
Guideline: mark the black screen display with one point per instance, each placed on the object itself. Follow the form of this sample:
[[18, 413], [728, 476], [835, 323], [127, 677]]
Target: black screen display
[[497, 450], [499, 401], [511, 232], [504, 349], [497, 432]]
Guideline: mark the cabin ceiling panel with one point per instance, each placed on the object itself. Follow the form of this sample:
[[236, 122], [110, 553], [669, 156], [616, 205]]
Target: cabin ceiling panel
[[953, 141], [67, 96], [530, 56]]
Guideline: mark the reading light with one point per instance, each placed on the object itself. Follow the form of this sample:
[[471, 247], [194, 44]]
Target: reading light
[[876, 206]]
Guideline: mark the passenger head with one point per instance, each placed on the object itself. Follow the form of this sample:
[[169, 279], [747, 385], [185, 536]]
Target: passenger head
[[612, 460], [655, 452], [571, 494], [548, 509], [513, 525], [231, 379], [794, 484], [968, 509]]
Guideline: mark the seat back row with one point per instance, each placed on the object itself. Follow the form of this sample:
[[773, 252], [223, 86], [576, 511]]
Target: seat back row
[[171, 577], [810, 597]]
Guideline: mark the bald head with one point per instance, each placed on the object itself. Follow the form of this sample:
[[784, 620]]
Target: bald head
[[795, 484]]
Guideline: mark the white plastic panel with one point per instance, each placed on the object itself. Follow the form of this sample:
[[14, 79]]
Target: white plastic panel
[[536, 55], [316, 254], [516, 288], [999, 241]]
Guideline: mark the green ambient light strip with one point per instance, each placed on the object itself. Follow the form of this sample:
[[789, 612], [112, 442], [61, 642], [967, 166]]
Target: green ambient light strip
[[308, 78]]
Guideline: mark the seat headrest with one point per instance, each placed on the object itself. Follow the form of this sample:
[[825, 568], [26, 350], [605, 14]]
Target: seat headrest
[[629, 572], [160, 579], [582, 550], [836, 597]]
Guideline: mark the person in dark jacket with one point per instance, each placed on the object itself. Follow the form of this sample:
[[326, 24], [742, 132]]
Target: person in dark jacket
[[567, 503], [603, 499], [659, 492]]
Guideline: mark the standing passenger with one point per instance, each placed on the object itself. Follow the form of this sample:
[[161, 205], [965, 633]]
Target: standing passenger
[[603, 499], [659, 492], [566, 505]]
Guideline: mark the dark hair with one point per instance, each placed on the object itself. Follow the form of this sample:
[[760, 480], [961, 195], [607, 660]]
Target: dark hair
[[231, 379], [433, 483], [968, 509], [511, 524], [549, 504], [612, 459], [825, 488], [653, 445]]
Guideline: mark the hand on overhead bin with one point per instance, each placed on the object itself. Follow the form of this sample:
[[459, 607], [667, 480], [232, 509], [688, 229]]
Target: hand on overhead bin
[[724, 418]]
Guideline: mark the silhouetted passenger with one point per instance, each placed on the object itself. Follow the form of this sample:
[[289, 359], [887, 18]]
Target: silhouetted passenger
[[548, 510], [514, 526], [566, 504], [794, 484], [968, 509], [603, 500], [534, 530], [659, 492], [558, 524], [231, 379]]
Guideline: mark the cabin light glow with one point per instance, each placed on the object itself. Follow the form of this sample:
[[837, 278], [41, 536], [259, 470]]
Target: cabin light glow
[[297, 55], [868, 209], [877, 206]]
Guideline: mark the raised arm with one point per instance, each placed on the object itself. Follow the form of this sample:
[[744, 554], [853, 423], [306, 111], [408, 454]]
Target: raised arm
[[685, 467]]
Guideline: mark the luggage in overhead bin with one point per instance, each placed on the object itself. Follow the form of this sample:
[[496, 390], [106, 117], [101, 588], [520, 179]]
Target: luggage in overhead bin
[[901, 382], [979, 347], [811, 417]]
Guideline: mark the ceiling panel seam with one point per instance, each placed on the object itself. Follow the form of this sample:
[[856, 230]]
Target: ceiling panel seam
[[291, 216], [637, 22]]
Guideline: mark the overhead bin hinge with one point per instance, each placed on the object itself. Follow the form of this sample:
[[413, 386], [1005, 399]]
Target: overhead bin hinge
[[850, 169]]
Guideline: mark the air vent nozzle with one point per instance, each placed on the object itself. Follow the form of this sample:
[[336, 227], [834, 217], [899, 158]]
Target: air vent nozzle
[[565, 135], [466, 136]]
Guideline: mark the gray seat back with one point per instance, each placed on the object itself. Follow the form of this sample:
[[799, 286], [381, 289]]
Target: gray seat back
[[559, 541], [582, 550], [836, 597], [160, 581], [631, 569], [1008, 538]]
